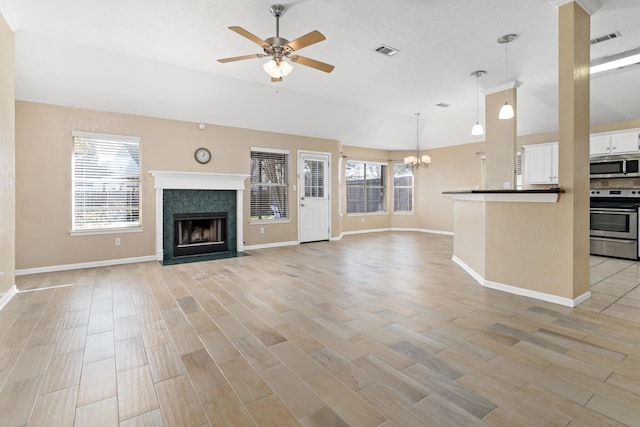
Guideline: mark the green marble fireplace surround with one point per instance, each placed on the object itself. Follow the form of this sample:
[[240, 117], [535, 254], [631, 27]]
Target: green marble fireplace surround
[[191, 193], [197, 201]]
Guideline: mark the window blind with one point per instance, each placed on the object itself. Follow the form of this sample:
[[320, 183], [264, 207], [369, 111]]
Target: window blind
[[269, 185], [105, 181], [365, 187], [402, 188]]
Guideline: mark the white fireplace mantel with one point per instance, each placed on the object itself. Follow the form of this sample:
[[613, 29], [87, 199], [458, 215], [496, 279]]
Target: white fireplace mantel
[[197, 181]]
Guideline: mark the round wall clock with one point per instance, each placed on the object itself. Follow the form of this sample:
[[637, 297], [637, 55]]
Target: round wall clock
[[202, 155]]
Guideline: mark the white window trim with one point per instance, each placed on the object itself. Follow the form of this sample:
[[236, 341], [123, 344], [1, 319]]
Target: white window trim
[[96, 231], [413, 191], [275, 220], [385, 187], [122, 230], [120, 138]]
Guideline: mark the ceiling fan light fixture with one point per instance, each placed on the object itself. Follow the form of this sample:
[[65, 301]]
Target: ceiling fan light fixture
[[277, 69]]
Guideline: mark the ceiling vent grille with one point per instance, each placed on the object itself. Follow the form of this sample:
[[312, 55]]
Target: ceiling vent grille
[[606, 37], [387, 50]]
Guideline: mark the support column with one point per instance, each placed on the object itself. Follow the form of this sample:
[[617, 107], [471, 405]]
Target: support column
[[573, 146], [501, 139]]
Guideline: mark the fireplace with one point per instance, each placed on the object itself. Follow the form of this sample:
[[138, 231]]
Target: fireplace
[[192, 193], [199, 233]]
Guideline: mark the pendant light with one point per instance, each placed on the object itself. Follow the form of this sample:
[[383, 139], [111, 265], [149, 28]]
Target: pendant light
[[417, 160], [506, 112], [477, 129]]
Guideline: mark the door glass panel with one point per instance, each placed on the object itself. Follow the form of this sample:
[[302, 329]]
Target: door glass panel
[[314, 178]]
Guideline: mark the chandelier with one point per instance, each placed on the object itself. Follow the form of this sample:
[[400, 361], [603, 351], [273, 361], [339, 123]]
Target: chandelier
[[418, 160]]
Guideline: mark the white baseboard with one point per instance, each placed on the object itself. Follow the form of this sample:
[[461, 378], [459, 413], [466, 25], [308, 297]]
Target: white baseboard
[[270, 245], [92, 264], [4, 300], [372, 230], [478, 278], [542, 296], [424, 230]]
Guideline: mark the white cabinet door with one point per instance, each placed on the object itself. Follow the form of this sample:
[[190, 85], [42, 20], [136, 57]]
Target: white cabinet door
[[599, 145], [541, 163], [626, 142]]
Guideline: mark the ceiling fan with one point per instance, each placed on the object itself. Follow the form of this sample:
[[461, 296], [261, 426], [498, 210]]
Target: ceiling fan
[[279, 48]]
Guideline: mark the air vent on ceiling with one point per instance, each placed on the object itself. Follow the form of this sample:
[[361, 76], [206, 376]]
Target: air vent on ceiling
[[443, 105], [387, 50], [606, 37]]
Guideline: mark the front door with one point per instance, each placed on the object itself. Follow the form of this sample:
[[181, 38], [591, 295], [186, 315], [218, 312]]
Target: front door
[[313, 184]]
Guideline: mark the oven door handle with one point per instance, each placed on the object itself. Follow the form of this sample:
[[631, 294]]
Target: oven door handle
[[606, 239], [612, 210]]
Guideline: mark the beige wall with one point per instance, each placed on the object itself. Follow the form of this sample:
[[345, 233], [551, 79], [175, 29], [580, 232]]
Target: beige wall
[[501, 138], [43, 178], [452, 168], [7, 158]]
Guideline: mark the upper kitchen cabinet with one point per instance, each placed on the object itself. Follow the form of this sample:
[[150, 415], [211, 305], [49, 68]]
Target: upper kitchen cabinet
[[541, 163], [614, 143]]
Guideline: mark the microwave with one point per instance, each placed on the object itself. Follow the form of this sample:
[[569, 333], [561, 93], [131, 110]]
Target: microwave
[[614, 167]]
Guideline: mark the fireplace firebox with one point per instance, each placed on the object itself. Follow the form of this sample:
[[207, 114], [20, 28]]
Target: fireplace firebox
[[200, 233]]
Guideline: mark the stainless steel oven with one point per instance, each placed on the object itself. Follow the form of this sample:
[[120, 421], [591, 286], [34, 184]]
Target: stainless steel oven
[[614, 222]]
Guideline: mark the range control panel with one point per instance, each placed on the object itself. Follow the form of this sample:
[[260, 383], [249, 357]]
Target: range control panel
[[615, 192]]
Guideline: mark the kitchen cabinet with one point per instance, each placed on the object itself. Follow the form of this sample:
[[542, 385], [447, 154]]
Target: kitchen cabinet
[[615, 143], [541, 163]]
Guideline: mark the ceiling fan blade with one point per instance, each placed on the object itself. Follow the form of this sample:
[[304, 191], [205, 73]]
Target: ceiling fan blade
[[240, 58], [327, 68], [274, 80], [250, 36], [313, 37]]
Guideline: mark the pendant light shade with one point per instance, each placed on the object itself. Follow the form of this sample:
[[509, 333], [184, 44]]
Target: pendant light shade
[[477, 129], [506, 112]]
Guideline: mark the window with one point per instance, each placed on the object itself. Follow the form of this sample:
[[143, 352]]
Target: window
[[269, 184], [402, 188], [105, 181], [365, 187]]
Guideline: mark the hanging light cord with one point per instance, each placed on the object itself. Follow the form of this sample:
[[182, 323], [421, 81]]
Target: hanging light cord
[[506, 73], [477, 102], [417, 135]]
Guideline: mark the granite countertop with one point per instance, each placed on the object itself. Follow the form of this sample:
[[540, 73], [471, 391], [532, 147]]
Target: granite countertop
[[553, 190]]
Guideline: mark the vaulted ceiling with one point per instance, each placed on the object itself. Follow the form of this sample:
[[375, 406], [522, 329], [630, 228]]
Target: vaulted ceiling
[[159, 58]]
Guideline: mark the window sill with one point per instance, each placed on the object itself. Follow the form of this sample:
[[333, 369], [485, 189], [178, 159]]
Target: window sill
[[269, 221], [367, 213], [405, 213], [97, 231]]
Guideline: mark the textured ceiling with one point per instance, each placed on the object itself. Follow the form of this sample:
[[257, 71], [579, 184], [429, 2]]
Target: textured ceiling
[[158, 58]]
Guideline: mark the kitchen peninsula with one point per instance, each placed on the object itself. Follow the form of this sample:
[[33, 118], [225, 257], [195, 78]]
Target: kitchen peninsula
[[509, 240]]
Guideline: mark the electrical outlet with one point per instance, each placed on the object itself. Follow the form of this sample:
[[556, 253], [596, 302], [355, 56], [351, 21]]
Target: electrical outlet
[[117, 241], [261, 230], [362, 219], [506, 185]]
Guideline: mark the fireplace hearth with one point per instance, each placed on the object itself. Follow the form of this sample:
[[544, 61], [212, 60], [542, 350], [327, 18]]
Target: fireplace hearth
[[200, 233]]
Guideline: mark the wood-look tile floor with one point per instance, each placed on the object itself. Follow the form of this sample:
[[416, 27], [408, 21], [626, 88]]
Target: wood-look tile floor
[[373, 330]]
